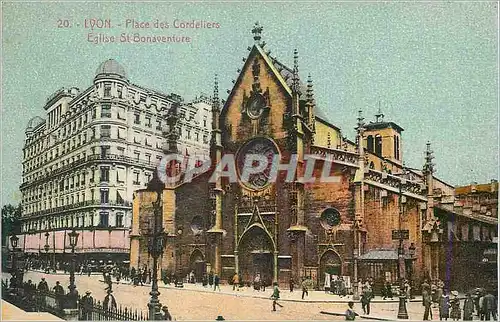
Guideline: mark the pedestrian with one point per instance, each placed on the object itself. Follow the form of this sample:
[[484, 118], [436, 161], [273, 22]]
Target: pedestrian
[[216, 282], [366, 298], [256, 282], [426, 300], [489, 307], [327, 283], [211, 279], [204, 280], [86, 303], [476, 297], [43, 286], [407, 289], [342, 288], [166, 314], [89, 270], [236, 282], [109, 303], [468, 307], [455, 313], [192, 278], [305, 285], [350, 315], [291, 284], [59, 291], [388, 290], [444, 306], [276, 296]]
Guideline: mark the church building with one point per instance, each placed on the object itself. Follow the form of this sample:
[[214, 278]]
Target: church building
[[375, 220]]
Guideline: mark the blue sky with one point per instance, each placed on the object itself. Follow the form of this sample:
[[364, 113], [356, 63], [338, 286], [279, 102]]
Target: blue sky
[[432, 65]]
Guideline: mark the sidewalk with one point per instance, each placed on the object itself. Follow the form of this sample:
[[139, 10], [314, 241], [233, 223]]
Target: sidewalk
[[285, 295], [60, 272], [13, 313]]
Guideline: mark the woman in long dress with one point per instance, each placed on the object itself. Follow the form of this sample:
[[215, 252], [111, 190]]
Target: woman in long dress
[[444, 307]]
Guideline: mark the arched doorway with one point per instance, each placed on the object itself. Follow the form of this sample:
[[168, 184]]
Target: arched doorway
[[256, 255], [197, 264], [330, 263]]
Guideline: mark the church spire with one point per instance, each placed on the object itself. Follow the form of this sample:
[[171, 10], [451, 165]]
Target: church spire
[[215, 99], [360, 129], [429, 156], [310, 103], [257, 33], [295, 76]]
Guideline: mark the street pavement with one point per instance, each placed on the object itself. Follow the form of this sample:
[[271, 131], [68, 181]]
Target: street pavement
[[194, 302]]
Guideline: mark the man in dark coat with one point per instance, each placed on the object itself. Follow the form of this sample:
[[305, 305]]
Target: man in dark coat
[[86, 303], [43, 286], [366, 298], [426, 300], [211, 278], [216, 282], [468, 307], [489, 307], [58, 289]]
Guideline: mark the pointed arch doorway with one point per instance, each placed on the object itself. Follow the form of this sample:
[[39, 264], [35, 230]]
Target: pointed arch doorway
[[256, 255], [197, 264], [330, 263]]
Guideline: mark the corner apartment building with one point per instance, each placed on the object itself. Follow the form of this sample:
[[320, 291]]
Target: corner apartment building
[[95, 147]]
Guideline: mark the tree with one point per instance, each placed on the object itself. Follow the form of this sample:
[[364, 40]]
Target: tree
[[11, 222]]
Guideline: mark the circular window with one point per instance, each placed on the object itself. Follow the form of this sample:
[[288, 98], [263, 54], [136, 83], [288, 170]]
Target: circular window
[[197, 225], [330, 218], [261, 147]]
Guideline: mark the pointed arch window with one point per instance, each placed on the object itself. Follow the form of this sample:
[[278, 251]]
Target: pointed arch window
[[370, 143], [378, 144]]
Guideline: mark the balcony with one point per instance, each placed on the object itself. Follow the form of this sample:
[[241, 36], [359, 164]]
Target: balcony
[[94, 157], [81, 204]]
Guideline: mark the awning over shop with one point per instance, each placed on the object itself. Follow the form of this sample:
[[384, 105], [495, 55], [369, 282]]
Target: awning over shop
[[381, 255]]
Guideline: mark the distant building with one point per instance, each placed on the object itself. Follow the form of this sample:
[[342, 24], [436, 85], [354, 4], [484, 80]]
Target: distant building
[[95, 147]]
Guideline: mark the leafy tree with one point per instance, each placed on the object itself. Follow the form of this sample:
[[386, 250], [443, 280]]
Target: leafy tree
[[11, 222]]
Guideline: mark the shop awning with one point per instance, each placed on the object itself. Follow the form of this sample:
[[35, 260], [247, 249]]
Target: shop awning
[[382, 255]]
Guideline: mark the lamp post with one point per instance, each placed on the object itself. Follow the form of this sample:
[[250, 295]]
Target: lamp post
[[402, 312], [14, 240], [156, 243], [73, 295], [411, 252], [46, 248]]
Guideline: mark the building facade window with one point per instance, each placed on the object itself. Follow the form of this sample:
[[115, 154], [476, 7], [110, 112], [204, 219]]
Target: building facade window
[[137, 119], [105, 131], [104, 174], [148, 121], [106, 110], [104, 196], [119, 220], [103, 219]]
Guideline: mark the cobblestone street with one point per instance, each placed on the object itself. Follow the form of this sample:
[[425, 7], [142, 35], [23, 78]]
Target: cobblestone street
[[194, 302]]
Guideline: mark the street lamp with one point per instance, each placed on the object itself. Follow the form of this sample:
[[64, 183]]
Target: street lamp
[[156, 244], [411, 251], [402, 312], [73, 295], [14, 240]]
